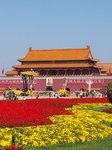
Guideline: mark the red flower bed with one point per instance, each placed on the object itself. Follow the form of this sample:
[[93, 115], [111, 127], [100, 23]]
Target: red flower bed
[[107, 110], [36, 112], [15, 147]]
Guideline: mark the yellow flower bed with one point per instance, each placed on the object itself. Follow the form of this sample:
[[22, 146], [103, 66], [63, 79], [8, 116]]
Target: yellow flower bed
[[84, 125]]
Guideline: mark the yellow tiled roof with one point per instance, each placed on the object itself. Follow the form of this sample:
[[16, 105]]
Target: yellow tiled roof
[[42, 66], [106, 67], [58, 54], [12, 72]]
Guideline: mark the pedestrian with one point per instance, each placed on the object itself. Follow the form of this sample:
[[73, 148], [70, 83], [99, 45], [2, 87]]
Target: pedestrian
[[4, 94], [81, 94]]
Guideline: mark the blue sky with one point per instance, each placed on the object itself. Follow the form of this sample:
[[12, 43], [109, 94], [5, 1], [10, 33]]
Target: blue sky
[[44, 24]]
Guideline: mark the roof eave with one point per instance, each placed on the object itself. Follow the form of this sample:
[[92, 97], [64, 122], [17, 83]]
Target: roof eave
[[32, 60]]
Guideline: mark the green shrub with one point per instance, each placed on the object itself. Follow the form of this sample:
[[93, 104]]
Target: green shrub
[[109, 91]]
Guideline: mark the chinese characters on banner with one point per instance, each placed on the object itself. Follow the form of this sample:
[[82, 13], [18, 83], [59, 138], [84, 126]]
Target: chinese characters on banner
[[72, 81], [49, 81], [14, 81]]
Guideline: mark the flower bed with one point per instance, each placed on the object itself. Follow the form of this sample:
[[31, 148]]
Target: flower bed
[[107, 110], [53, 121], [15, 147], [37, 112]]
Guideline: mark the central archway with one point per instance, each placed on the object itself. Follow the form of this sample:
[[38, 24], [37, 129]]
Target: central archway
[[49, 88]]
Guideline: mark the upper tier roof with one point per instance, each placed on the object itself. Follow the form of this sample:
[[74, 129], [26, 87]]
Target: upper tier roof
[[59, 55]]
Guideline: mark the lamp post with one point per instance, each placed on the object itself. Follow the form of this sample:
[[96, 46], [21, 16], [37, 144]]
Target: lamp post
[[31, 79], [89, 82], [64, 82]]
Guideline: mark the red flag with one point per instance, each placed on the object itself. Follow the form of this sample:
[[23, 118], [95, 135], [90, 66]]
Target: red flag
[[3, 71]]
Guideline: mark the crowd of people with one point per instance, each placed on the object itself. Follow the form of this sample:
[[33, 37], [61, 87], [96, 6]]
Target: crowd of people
[[77, 94]]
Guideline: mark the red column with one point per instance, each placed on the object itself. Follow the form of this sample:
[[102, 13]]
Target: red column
[[72, 72], [57, 72], [46, 72], [80, 72], [89, 72]]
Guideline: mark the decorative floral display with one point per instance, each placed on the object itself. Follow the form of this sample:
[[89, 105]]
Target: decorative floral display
[[15, 147], [44, 122], [107, 110]]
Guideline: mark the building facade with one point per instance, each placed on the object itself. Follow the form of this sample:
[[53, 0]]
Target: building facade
[[58, 62], [71, 68]]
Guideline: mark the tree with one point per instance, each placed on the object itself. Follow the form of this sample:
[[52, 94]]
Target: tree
[[109, 91]]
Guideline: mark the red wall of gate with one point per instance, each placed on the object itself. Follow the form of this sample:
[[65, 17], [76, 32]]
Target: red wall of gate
[[74, 83]]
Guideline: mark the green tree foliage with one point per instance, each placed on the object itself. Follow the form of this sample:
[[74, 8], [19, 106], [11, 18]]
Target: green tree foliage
[[109, 91]]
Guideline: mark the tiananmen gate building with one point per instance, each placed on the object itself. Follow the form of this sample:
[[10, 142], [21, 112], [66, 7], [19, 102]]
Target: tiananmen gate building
[[76, 65], [59, 62]]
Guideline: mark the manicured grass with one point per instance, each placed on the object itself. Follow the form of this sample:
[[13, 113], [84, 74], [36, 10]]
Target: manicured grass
[[100, 144]]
